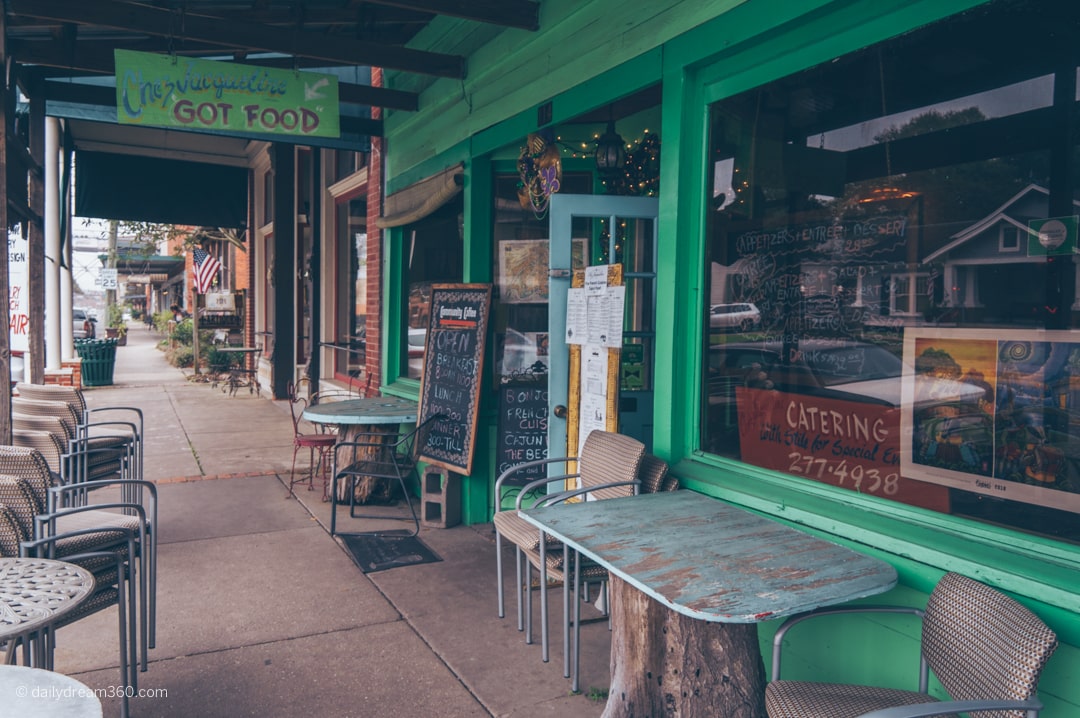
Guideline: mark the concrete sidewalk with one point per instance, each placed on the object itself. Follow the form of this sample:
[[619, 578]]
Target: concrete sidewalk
[[262, 613]]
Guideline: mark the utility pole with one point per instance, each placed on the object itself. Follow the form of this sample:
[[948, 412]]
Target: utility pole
[[110, 263]]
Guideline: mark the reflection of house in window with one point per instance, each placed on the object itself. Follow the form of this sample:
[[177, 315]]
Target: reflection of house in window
[[910, 294], [1008, 238], [988, 271]]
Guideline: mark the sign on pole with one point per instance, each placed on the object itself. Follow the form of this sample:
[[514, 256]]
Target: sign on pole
[[107, 278]]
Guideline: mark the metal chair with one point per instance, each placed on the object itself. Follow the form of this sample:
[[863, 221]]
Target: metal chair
[[610, 467], [45, 510], [104, 426], [107, 553], [379, 456], [319, 444], [985, 648]]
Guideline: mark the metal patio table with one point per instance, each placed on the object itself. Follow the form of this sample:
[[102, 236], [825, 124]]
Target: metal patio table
[[34, 594]]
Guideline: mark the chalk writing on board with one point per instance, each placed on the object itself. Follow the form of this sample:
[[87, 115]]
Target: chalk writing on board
[[453, 366], [522, 435]]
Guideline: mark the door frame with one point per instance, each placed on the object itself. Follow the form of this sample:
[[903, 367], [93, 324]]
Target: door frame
[[563, 209]]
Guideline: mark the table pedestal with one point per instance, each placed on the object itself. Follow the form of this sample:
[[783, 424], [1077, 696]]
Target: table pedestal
[[369, 489], [666, 664]]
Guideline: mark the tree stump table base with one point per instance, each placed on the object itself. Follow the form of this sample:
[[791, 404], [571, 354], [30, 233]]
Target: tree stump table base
[[666, 664]]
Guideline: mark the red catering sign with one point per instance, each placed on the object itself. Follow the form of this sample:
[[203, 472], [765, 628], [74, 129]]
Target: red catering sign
[[848, 444]]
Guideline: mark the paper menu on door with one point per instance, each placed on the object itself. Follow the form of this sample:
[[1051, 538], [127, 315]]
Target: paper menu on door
[[595, 316]]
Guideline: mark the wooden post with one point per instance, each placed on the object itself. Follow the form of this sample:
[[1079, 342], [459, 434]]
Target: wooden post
[[691, 667], [5, 290], [35, 265]]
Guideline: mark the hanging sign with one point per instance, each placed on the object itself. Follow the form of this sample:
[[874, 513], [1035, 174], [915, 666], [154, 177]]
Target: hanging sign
[[192, 94], [19, 295]]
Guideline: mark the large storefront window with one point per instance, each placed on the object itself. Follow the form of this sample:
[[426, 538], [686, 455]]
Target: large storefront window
[[892, 253], [520, 315], [433, 254], [350, 340]]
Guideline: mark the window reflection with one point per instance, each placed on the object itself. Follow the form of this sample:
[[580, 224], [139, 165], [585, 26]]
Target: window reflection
[[902, 209]]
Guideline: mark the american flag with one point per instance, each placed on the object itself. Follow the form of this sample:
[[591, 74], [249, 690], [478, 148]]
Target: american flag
[[205, 270]]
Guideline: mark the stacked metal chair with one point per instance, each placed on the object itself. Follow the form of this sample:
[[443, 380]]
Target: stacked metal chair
[[107, 551], [611, 466], [60, 517], [96, 429]]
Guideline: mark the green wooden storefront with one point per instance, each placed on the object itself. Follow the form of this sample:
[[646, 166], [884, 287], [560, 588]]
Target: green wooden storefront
[[589, 54]]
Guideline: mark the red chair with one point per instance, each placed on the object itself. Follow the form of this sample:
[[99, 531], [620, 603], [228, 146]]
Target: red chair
[[317, 443]]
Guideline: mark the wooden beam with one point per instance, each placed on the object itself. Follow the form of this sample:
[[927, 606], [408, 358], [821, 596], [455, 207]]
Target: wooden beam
[[348, 94], [6, 98], [250, 36], [106, 97], [523, 14]]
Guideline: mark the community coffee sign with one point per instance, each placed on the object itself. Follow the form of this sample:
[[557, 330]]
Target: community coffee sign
[[192, 94]]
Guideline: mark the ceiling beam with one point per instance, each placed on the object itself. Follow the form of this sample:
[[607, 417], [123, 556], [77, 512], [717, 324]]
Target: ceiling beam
[[523, 14], [100, 61], [335, 49], [104, 96]]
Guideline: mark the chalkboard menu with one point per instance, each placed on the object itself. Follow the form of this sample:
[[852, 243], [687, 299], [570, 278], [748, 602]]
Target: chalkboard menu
[[523, 410], [453, 365]]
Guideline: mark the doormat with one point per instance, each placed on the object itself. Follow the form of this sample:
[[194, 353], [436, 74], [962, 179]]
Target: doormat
[[379, 553]]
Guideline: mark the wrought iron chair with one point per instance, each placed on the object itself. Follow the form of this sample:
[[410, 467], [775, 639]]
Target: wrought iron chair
[[318, 443], [986, 649], [379, 456]]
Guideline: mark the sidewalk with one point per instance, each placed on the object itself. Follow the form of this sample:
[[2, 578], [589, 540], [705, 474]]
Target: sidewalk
[[262, 613]]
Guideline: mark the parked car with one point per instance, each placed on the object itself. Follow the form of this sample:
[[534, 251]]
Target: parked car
[[849, 370], [83, 325], [417, 340], [742, 316]]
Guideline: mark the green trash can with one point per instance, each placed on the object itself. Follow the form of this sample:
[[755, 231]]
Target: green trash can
[[98, 360]]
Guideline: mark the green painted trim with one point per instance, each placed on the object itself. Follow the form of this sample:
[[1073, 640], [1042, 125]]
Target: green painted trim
[[634, 75], [1027, 566], [437, 163], [818, 37], [393, 305]]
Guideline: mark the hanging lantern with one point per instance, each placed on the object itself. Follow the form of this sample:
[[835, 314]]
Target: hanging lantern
[[610, 151]]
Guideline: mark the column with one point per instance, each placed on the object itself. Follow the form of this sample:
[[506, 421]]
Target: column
[[52, 245]]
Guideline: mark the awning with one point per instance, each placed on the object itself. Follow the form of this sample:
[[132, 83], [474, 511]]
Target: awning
[[421, 199]]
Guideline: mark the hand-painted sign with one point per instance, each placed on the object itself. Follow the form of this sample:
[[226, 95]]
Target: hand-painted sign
[[18, 298], [848, 444], [192, 94]]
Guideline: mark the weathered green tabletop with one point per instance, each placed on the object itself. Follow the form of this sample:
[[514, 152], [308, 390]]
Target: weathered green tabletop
[[691, 577]]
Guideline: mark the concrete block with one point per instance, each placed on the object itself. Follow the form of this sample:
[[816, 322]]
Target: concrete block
[[440, 498]]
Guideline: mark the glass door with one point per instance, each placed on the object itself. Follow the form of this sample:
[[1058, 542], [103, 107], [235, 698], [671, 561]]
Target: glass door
[[589, 230]]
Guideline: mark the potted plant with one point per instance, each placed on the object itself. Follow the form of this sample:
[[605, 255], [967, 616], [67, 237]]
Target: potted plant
[[116, 326]]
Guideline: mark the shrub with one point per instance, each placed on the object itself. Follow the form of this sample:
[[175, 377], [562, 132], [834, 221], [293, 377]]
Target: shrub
[[182, 357]]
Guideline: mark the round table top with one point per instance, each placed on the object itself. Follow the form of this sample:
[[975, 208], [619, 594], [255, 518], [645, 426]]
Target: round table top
[[239, 349], [34, 592], [373, 410], [37, 693]]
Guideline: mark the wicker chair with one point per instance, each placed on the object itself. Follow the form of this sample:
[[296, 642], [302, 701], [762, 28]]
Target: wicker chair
[[101, 427], [985, 648], [609, 460], [106, 554], [71, 459], [46, 510]]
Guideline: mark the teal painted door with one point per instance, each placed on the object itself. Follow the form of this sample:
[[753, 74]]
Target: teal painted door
[[589, 230]]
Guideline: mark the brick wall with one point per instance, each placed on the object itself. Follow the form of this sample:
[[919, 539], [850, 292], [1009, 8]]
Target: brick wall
[[373, 366]]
